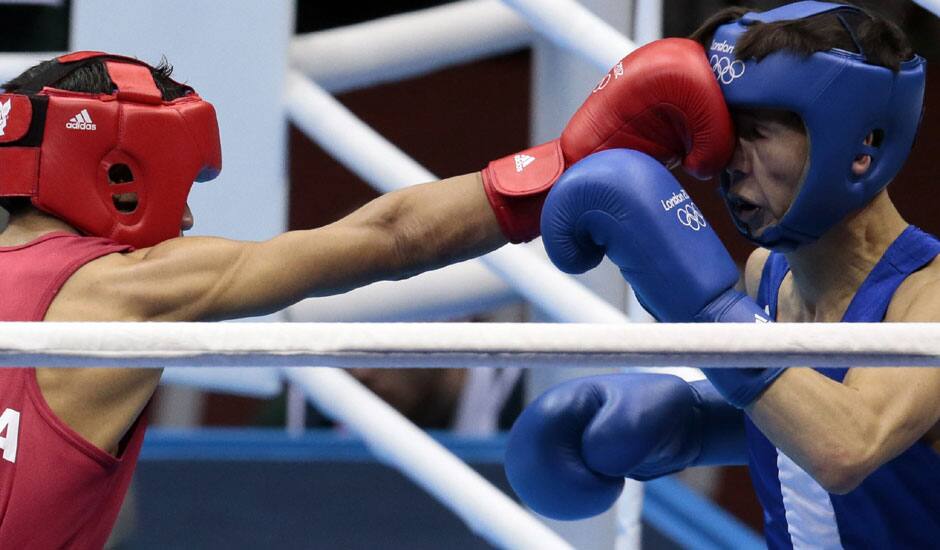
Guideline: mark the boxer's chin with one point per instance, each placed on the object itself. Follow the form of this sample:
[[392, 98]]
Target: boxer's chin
[[758, 231]]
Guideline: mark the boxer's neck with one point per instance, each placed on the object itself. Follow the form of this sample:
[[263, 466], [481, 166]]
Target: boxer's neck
[[828, 273], [30, 224]]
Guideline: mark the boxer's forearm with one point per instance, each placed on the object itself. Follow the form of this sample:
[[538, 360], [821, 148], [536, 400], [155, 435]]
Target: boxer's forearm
[[812, 420], [395, 236], [439, 223], [392, 237]]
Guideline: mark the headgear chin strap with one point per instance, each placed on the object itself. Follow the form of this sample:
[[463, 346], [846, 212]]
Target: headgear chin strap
[[80, 156], [842, 98]]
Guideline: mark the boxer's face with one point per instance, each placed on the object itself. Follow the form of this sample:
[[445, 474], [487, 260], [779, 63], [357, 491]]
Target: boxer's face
[[767, 167]]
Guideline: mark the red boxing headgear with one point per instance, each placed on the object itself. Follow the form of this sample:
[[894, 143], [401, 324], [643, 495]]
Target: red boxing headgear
[[75, 154]]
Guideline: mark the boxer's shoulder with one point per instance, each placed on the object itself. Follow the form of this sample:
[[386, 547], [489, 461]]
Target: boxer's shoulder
[[754, 269], [95, 290], [918, 297]]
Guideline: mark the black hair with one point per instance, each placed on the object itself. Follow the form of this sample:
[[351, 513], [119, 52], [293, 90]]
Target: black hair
[[92, 77], [879, 40]]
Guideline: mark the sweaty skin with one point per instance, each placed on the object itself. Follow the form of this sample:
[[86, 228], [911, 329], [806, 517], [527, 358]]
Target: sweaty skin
[[838, 433], [200, 279]]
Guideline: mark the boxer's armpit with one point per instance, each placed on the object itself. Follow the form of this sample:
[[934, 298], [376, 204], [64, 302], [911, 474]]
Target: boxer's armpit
[[100, 405]]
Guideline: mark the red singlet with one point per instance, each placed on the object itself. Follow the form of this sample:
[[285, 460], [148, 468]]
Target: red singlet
[[57, 490]]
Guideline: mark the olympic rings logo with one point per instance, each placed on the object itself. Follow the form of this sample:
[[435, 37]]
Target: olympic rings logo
[[726, 70], [690, 217]]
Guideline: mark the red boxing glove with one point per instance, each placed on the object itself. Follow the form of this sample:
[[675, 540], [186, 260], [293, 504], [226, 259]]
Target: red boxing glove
[[662, 99]]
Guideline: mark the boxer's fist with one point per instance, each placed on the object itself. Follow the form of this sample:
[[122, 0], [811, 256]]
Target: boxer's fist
[[626, 205], [571, 448], [662, 99]]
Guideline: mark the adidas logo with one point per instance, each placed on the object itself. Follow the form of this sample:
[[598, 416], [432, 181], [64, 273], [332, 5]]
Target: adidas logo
[[522, 161], [81, 121], [5, 108]]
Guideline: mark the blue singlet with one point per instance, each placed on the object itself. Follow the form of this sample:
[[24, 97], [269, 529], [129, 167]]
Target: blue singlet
[[897, 506]]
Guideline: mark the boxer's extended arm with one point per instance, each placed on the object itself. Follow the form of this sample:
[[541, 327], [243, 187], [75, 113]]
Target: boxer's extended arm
[[193, 278], [840, 433]]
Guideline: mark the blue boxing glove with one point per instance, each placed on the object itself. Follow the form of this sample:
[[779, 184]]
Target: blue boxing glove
[[627, 206], [571, 448]]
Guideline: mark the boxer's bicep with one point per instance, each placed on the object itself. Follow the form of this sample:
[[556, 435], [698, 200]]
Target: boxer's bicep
[[841, 432], [193, 279], [175, 280], [905, 400], [901, 403]]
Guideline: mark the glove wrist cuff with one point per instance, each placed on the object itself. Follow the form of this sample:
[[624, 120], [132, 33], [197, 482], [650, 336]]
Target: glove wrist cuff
[[741, 387], [516, 186]]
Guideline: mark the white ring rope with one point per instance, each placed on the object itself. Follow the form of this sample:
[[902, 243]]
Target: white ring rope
[[408, 45], [390, 345]]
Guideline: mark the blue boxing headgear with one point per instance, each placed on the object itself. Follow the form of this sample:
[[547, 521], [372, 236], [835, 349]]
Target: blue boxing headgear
[[842, 98]]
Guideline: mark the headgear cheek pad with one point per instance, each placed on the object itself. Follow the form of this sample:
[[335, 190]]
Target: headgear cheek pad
[[83, 157], [842, 99]]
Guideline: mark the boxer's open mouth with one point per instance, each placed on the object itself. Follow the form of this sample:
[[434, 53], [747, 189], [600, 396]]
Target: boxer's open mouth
[[744, 210]]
